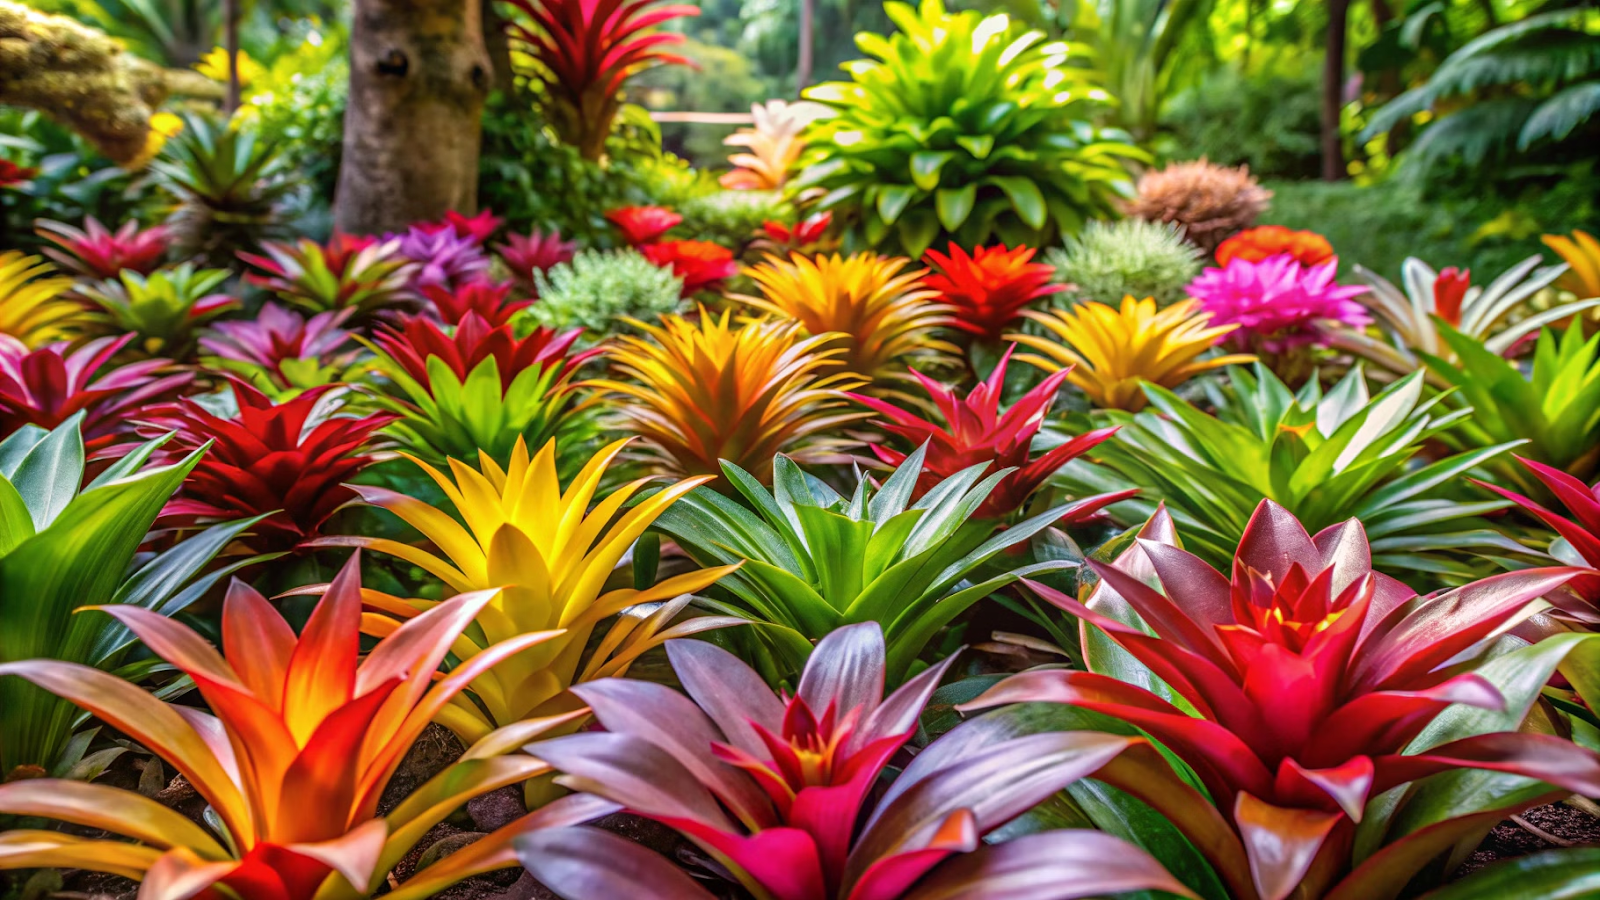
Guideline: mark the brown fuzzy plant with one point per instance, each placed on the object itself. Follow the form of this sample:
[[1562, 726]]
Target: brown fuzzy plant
[[1210, 201]]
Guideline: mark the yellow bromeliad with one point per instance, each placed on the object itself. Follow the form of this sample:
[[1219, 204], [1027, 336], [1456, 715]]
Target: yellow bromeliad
[[32, 306], [1581, 252], [883, 315], [551, 556], [1113, 350], [709, 391]]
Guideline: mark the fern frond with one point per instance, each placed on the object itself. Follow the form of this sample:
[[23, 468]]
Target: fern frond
[[1558, 116]]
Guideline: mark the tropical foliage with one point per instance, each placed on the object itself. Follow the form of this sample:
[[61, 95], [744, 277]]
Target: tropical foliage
[[961, 127], [1326, 457], [32, 308]]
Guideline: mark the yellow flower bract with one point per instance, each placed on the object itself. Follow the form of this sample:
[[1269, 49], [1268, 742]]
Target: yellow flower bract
[[550, 555], [1112, 350]]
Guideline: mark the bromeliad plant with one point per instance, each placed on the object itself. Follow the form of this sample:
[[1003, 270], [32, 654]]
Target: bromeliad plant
[[989, 289], [548, 555], [1579, 536], [1496, 316], [977, 432], [280, 352], [1264, 242], [584, 52], [282, 463], [702, 265], [165, 310], [1326, 457], [1555, 407], [487, 299], [1278, 304], [361, 274], [230, 183], [883, 315], [48, 386], [699, 393], [641, 225], [1301, 692], [535, 252], [302, 738], [779, 790], [33, 305], [63, 545], [1111, 353], [811, 560], [1581, 252], [479, 389], [95, 252], [963, 128]]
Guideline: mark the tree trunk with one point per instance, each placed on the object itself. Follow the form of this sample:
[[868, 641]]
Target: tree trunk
[[498, 44], [1333, 90], [230, 40], [419, 73], [802, 73]]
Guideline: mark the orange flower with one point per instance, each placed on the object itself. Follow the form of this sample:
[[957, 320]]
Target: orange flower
[[302, 738], [1257, 244]]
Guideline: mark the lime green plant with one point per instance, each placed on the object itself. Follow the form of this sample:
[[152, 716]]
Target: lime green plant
[[64, 546], [1326, 457], [597, 288], [166, 309], [962, 127], [1555, 407]]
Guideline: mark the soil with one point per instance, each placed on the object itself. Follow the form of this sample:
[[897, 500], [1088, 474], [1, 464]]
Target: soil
[[1510, 839]]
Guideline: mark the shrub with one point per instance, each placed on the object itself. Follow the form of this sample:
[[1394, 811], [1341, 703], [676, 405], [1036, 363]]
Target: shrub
[[599, 287], [963, 128], [1131, 258], [1270, 122]]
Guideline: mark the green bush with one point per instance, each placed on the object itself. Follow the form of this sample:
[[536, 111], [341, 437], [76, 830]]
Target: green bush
[[598, 287], [1380, 225], [1269, 122], [1109, 261], [962, 127], [731, 218]]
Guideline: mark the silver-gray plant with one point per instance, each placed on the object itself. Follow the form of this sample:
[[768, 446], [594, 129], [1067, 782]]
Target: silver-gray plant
[[598, 287], [1109, 260]]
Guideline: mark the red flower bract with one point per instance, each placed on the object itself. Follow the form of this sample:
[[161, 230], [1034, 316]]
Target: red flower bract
[[474, 341], [643, 224], [535, 252], [96, 252], [1309, 674], [990, 288], [1449, 289], [478, 228], [977, 432], [11, 173], [268, 457], [47, 386], [701, 264], [486, 299], [806, 233], [1581, 532]]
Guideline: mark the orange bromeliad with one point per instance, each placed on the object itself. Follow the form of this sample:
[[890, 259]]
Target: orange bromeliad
[[304, 737]]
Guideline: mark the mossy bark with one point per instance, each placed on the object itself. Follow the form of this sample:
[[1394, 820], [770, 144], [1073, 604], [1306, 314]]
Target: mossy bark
[[86, 81], [419, 73]]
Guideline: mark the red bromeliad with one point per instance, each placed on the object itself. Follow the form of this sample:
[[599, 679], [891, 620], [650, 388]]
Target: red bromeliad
[[977, 432], [486, 299], [12, 174], [45, 387], [990, 288], [1581, 532], [478, 228], [270, 458], [777, 788], [807, 234], [96, 252], [535, 252], [701, 264], [1309, 675], [420, 340], [1449, 289], [642, 225], [586, 50]]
